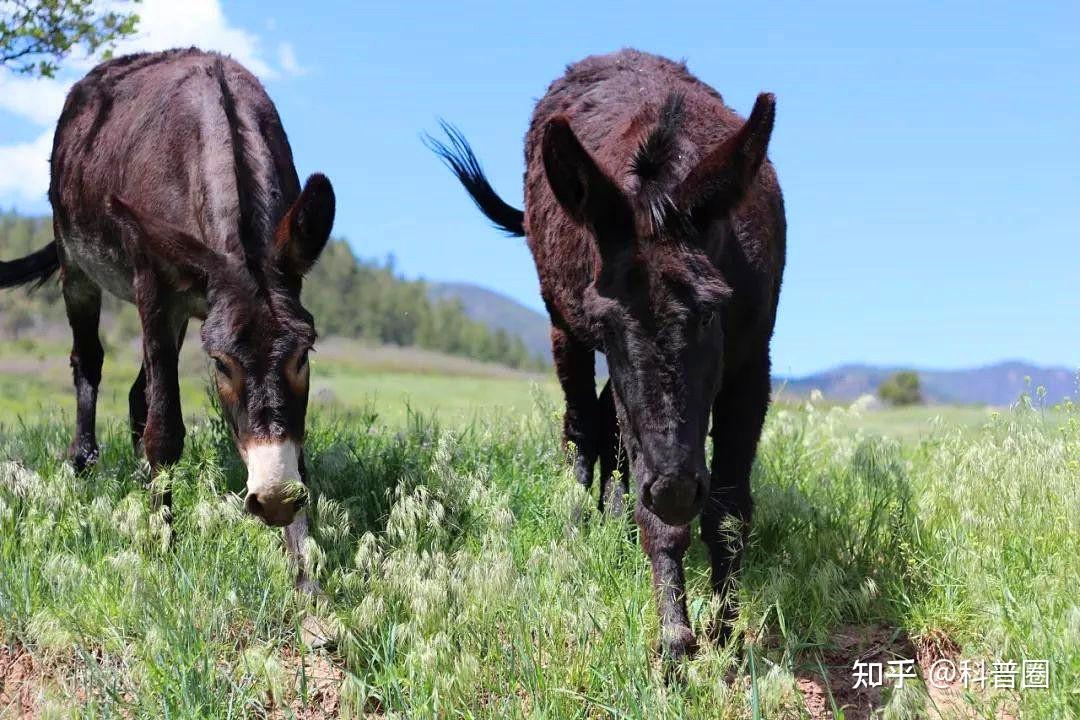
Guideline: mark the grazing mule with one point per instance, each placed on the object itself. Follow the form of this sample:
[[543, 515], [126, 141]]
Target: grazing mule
[[173, 187], [657, 227]]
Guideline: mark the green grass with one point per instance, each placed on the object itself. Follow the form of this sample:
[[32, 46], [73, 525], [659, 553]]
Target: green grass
[[35, 379], [916, 422], [458, 586], [456, 400]]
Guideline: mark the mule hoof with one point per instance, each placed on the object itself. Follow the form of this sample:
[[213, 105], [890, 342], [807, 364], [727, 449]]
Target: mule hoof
[[82, 457], [579, 513], [306, 586], [677, 643], [315, 634], [162, 530], [720, 632], [721, 629], [615, 506]]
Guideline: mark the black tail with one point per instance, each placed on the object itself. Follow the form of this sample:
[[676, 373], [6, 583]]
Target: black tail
[[459, 157], [34, 268]]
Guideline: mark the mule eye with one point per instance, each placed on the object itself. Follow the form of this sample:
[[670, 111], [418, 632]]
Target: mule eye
[[301, 363], [707, 320], [222, 367]]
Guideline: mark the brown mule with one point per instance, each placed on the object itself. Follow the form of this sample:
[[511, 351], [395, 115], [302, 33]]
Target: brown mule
[[173, 187], [657, 227]]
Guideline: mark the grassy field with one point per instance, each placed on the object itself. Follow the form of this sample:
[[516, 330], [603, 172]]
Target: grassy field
[[456, 584], [35, 381]]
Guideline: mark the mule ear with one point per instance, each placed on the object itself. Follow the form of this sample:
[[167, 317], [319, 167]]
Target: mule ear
[[724, 175], [303, 232], [146, 236], [584, 190]]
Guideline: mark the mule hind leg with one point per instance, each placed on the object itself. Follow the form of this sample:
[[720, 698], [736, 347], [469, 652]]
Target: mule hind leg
[[137, 408], [613, 458], [575, 366], [82, 301]]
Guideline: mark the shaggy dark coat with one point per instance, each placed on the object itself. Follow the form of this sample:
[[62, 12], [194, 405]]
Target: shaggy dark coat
[[657, 227]]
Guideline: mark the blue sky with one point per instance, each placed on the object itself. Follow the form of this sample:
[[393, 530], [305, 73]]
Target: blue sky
[[929, 154]]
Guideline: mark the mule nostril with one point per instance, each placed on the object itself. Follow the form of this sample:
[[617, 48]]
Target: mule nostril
[[646, 494], [253, 506]]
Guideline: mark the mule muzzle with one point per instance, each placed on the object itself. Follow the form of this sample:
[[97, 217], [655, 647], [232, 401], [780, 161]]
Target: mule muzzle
[[676, 498], [270, 510], [274, 492]]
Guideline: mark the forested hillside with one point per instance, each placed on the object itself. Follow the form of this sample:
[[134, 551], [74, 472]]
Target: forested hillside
[[499, 311], [349, 297]]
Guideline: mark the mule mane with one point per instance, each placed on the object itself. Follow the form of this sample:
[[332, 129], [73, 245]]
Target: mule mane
[[256, 226], [255, 223], [654, 162]]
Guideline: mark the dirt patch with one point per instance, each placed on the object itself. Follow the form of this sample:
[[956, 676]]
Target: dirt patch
[[20, 683], [313, 684], [316, 683], [832, 682], [949, 691], [874, 646], [28, 682]]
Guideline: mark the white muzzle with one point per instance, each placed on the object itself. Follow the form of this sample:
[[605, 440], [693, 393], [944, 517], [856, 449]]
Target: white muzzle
[[273, 472]]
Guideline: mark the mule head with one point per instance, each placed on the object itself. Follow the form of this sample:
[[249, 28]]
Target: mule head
[[658, 298], [256, 332]]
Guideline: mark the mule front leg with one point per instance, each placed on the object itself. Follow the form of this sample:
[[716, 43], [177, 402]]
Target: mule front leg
[[296, 534], [163, 434], [665, 546], [738, 416]]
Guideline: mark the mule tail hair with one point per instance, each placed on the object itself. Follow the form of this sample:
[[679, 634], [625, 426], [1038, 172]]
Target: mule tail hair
[[36, 268], [461, 160]]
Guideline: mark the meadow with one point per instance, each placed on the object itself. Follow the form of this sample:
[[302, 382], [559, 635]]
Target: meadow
[[458, 584]]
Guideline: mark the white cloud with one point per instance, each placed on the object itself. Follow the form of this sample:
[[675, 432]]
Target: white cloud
[[39, 101], [25, 175], [163, 24], [288, 62]]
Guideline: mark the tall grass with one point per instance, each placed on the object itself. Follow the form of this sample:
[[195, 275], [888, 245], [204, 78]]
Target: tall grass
[[457, 585]]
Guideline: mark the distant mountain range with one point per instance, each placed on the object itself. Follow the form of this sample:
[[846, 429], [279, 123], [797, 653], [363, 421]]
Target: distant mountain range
[[999, 384]]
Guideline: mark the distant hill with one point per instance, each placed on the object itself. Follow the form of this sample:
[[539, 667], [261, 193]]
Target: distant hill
[[498, 312], [999, 384]]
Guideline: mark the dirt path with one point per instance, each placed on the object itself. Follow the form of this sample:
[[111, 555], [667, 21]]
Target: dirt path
[[20, 683]]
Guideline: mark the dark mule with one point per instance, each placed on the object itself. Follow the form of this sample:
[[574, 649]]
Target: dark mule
[[658, 231], [173, 187]]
